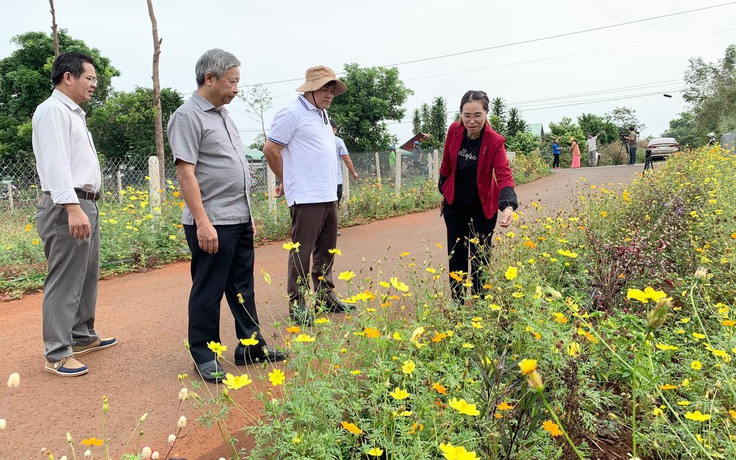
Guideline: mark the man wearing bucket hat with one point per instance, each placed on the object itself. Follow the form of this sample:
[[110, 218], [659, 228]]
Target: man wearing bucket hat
[[300, 150]]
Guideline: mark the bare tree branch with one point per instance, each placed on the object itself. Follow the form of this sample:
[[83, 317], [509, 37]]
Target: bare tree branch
[[54, 31], [158, 119]]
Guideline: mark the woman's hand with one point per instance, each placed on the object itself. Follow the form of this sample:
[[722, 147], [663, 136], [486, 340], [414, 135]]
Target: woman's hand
[[506, 217]]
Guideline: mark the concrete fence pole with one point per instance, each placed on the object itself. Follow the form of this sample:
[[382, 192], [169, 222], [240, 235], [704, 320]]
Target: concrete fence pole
[[154, 181], [398, 172], [271, 185], [378, 167], [120, 186], [436, 170]]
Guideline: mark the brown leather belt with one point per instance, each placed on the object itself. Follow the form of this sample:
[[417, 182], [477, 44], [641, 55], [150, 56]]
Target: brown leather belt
[[83, 194]]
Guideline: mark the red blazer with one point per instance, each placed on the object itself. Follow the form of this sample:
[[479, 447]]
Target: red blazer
[[493, 167]]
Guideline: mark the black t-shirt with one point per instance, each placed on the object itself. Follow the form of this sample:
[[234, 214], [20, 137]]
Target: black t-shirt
[[467, 198]]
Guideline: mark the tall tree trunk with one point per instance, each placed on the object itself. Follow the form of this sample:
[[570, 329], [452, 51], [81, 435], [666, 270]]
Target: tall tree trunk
[[54, 31], [158, 120]]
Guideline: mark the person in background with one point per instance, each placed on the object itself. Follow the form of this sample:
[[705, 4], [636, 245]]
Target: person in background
[[215, 183], [301, 152], [575, 150], [556, 151], [631, 145], [342, 156], [67, 217], [593, 149], [417, 154], [476, 184], [711, 138]]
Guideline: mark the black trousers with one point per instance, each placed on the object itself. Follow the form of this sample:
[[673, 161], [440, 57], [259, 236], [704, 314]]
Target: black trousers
[[229, 271], [463, 230], [556, 161], [339, 193]]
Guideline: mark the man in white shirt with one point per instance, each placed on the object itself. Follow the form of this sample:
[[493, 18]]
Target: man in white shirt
[[593, 149], [301, 152], [67, 218]]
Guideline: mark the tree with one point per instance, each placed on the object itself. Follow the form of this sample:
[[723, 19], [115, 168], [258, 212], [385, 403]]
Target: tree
[[710, 88], [416, 122], [25, 82], [123, 126], [592, 124], [623, 118], [375, 95], [425, 117], [497, 117], [257, 102], [684, 129], [564, 130], [258, 142], [522, 142], [515, 123]]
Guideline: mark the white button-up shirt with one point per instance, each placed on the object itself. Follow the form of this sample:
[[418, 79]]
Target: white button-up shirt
[[65, 154]]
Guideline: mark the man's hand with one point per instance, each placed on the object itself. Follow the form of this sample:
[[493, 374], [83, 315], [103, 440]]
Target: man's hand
[[506, 217], [279, 191], [355, 175], [207, 238], [79, 226]]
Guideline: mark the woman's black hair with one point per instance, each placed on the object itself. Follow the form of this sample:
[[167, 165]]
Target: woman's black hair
[[473, 95]]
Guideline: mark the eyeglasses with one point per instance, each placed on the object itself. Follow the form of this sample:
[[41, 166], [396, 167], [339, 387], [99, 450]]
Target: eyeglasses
[[92, 80], [478, 116]]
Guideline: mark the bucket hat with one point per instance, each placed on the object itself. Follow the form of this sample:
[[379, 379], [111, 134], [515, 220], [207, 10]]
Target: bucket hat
[[318, 76]]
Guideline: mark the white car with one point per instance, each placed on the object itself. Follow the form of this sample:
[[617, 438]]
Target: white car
[[662, 147]]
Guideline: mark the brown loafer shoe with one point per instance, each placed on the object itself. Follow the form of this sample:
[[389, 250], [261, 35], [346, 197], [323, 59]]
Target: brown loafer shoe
[[66, 367], [99, 344]]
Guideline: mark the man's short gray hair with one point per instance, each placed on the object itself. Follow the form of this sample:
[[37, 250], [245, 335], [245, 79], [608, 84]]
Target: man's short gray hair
[[216, 62]]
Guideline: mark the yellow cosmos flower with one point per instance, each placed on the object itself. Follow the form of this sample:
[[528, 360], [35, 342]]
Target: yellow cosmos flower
[[464, 407], [277, 377], [375, 452], [698, 335], [566, 253], [92, 442], [293, 329], [527, 366], [249, 342], [416, 335], [451, 452], [399, 394], [665, 347], [352, 427], [667, 386], [335, 251], [552, 428], [439, 388], [356, 372], [697, 416], [234, 383], [511, 273], [321, 321], [216, 348], [266, 276], [291, 246], [504, 406], [346, 276], [304, 338], [646, 295], [399, 285], [408, 367], [696, 365], [404, 254], [560, 318], [371, 333]]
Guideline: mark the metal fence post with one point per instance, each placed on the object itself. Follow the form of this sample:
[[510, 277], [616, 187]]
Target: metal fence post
[[154, 197]]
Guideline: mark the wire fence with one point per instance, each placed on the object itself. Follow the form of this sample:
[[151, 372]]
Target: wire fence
[[20, 187]]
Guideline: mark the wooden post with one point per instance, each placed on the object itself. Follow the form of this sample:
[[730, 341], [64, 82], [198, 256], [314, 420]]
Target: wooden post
[[397, 185], [154, 197], [378, 167], [271, 185], [120, 186]]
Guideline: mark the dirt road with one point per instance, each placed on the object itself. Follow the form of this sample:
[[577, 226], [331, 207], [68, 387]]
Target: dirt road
[[147, 313]]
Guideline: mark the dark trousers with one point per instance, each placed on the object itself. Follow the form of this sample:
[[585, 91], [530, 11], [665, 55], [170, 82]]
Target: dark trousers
[[632, 155], [339, 193], [314, 227], [556, 161], [229, 271], [462, 227]]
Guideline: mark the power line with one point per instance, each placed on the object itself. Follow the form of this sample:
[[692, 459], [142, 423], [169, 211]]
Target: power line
[[656, 93], [567, 34]]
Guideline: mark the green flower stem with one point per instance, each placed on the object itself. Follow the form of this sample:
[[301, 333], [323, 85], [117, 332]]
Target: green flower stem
[[559, 423]]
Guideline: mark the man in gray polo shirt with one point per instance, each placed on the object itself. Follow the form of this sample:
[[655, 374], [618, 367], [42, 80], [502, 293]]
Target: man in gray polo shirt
[[301, 152], [215, 183]]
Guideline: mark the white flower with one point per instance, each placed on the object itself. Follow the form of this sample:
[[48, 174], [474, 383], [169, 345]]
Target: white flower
[[182, 422], [154, 455], [87, 453], [63, 457], [172, 438], [3, 423], [146, 452], [183, 394], [14, 380], [143, 417]]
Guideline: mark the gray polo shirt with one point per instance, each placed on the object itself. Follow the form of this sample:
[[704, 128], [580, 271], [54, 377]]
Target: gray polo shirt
[[205, 136]]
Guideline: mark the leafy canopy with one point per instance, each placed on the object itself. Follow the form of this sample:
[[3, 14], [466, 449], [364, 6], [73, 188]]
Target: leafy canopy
[[375, 95]]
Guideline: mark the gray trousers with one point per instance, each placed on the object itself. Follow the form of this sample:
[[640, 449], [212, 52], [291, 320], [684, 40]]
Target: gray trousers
[[70, 289], [593, 158], [314, 227]]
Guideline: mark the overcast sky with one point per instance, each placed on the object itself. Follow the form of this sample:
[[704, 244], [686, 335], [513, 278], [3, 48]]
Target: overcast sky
[[548, 78]]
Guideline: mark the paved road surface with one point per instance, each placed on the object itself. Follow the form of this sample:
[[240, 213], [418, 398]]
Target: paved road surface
[[147, 313]]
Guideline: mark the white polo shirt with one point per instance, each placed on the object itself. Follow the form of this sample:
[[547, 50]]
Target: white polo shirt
[[309, 153]]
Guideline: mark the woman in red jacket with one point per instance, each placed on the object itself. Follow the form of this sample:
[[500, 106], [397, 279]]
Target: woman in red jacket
[[475, 183]]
